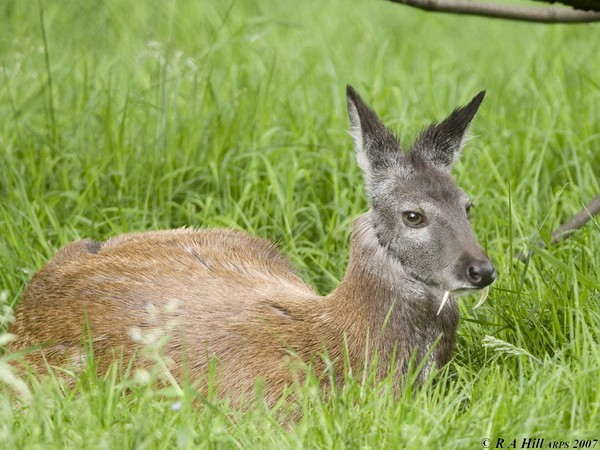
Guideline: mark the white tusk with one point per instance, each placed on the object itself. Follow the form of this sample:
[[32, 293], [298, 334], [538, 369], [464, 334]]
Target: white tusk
[[484, 294], [444, 300]]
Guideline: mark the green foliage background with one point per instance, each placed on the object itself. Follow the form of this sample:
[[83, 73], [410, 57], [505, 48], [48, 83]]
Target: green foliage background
[[120, 116]]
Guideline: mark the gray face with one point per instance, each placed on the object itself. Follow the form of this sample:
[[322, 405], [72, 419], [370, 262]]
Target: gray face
[[422, 219], [419, 214]]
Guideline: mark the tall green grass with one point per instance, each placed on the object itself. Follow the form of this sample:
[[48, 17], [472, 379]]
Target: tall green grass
[[120, 116]]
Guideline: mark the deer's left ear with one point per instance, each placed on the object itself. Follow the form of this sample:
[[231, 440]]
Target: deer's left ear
[[441, 143]]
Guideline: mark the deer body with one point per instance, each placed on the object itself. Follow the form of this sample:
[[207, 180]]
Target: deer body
[[228, 295]]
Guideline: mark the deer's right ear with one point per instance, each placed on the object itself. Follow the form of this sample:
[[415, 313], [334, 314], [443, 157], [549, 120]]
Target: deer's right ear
[[375, 146]]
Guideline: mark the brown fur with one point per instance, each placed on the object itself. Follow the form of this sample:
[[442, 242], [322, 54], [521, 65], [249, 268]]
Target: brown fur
[[229, 295]]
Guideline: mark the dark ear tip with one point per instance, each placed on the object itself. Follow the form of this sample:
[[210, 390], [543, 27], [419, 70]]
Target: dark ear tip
[[478, 98], [472, 107], [351, 93]]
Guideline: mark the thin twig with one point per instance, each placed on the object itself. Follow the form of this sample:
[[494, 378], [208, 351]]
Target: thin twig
[[567, 228], [578, 221], [538, 14]]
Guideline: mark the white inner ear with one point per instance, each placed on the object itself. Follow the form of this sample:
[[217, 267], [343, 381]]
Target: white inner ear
[[357, 136], [461, 145]]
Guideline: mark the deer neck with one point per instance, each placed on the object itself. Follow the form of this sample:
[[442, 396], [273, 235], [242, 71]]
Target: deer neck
[[374, 278], [377, 293]]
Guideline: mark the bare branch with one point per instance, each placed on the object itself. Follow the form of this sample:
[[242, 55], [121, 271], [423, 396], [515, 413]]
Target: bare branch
[[578, 220], [586, 5], [567, 228], [539, 14]]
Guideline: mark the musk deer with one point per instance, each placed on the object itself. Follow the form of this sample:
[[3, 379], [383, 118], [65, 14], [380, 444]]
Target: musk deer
[[234, 297]]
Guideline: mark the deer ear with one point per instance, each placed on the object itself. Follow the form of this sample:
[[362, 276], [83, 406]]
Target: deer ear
[[376, 147], [441, 143]]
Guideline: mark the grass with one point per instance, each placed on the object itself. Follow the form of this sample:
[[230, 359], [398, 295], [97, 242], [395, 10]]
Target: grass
[[120, 116]]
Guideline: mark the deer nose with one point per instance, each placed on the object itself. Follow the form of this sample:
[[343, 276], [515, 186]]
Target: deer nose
[[481, 273]]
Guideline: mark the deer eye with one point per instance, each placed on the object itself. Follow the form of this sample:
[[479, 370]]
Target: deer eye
[[468, 209], [413, 219]]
